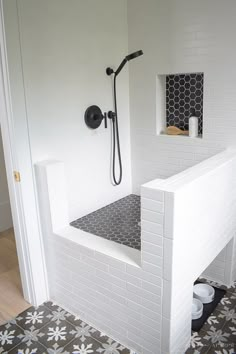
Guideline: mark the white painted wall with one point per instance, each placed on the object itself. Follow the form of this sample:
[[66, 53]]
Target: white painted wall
[[5, 209], [181, 36], [65, 51]]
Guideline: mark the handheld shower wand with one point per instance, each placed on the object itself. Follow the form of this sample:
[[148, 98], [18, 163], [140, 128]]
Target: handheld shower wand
[[114, 117]]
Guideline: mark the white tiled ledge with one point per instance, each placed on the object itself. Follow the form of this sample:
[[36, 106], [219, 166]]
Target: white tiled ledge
[[109, 248], [178, 136], [180, 180]]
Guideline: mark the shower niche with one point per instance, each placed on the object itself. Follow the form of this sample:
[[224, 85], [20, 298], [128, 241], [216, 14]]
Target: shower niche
[[179, 96]]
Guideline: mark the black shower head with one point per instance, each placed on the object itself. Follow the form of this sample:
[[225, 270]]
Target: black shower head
[[134, 55], [131, 56]]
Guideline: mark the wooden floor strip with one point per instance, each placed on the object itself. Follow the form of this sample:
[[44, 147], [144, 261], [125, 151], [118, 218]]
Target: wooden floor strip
[[11, 296]]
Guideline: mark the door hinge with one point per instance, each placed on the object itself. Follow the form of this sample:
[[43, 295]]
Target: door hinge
[[17, 176]]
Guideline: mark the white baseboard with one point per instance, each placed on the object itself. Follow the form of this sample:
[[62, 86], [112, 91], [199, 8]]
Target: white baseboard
[[5, 216]]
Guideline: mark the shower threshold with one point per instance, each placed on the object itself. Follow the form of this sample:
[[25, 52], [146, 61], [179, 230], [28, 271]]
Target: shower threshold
[[118, 222]]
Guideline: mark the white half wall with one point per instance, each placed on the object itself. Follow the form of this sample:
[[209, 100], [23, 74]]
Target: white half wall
[[5, 208], [65, 50], [103, 282], [199, 222], [143, 298]]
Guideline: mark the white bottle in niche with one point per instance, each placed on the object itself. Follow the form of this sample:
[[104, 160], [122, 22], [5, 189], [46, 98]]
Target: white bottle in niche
[[193, 125]]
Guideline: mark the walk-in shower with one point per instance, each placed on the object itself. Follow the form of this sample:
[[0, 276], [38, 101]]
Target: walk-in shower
[[93, 118]]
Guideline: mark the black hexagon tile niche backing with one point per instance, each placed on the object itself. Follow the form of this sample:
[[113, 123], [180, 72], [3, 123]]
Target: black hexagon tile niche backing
[[118, 222], [184, 94]]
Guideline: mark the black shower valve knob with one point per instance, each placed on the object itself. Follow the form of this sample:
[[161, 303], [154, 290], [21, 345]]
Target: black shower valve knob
[[111, 115], [93, 117]]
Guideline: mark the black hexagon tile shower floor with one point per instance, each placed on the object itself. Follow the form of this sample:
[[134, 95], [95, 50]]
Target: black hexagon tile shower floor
[[118, 222]]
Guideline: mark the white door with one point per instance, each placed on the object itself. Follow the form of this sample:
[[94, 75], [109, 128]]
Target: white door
[[16, 143]]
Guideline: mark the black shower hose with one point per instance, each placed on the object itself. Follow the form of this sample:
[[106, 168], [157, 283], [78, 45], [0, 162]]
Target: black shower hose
[[116, 142]]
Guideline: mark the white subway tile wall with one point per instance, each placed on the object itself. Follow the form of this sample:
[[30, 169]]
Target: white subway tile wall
[[123, 300], [184, 36]]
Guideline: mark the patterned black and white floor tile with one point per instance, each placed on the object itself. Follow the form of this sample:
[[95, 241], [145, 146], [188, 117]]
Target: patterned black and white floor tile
[[48, 329], [218, 335]]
